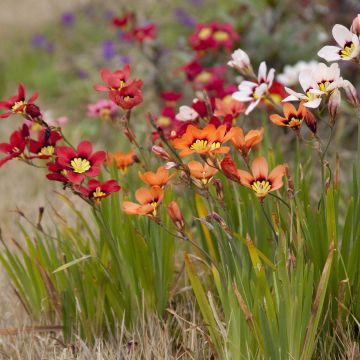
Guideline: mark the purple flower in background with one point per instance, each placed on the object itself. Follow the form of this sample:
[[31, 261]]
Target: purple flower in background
[[184, 18], [38, 40], [68, 18], [83, 74], [124, 59], [108, 49], [50, 47], [108, 14]]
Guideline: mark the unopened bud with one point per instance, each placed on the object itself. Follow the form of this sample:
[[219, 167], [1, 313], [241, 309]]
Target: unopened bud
[[355, 26], [241, 62], [229, 168], [33, 111], [161, 152], [334, 105], [219, 189], [176, 215], [310, 121], [171, 165], [351, 93]]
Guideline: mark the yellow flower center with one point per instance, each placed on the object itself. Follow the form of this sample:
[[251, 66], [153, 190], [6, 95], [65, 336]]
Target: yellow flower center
[[47, 150], [199, 145], [98, 194], [80, 165], [294, 122], [348, 50], [261, 187], [204, 77], [310, 96], [323, 85], [18, 105], [105, 113], [63, 172], [164, 121], [221, 36], [215, 145], [204, 33]]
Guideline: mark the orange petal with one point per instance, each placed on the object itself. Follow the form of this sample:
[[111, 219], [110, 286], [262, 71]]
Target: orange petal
[[277, 119], [288, 109], [259, 168], [277, 172], [130, 207], [246, 178]]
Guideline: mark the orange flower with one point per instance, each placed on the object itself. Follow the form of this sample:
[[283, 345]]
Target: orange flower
[[149, 200], [158, 178], [123, 160], [228, 106], [260, 181], [202, 174], [203, 141], [293, 118], [244, 143]]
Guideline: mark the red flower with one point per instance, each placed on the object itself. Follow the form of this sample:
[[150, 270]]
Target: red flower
[[57, 172], [213, 36], [192, 69], [97, 191], [44, 147], [17, 104], [129, 96], [16, 145], [115, 81], [123, 20], [81, 163], [146, 32], [171, 97]]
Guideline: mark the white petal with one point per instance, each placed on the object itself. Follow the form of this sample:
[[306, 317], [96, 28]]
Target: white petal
[[239, 96], [330, 53], [262, 71], [306, 79], [290, 98], [341, 34], [252, 106], [270, 77], [313, 103]]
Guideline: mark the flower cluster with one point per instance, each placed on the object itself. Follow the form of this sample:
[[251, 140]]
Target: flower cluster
[[123, 92], [131, 30]]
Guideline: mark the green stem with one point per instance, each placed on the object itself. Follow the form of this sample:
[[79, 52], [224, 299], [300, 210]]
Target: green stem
[[269, 221]]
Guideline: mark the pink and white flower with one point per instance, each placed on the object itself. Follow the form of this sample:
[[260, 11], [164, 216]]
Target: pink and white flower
[[186, 113], [254, 92], [240, 61], [348, 49], [290, 74], [322, 80]]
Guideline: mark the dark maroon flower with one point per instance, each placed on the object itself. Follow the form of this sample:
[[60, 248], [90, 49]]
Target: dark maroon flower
[[77, 164], [95, 190], [44, 147], [16, 146], [17, 104]]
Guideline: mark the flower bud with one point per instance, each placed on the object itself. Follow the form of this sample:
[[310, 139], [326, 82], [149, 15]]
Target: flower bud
[[229, 168], [161, 152], [355, 26], [241, 62], [310, 121], [176, 215], [334, 105], [219, 189], [33, 111], [351, 93]]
